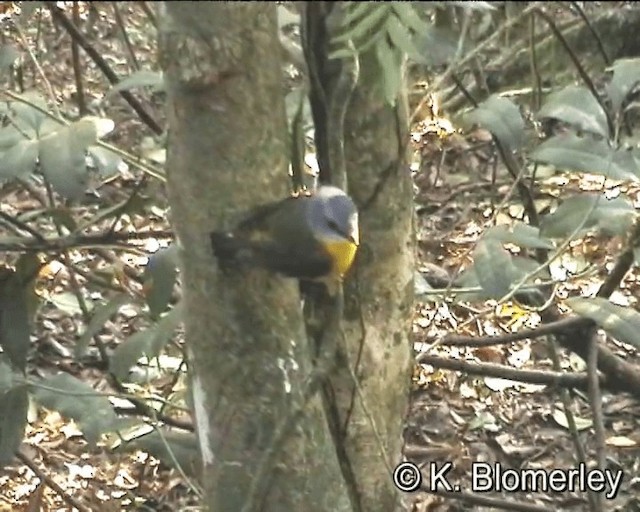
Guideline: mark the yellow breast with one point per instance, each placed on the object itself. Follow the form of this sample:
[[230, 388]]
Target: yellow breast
[[342, 253]]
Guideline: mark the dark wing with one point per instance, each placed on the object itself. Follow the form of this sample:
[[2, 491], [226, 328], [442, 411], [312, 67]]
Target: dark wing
[[274, 236], [301, 262]]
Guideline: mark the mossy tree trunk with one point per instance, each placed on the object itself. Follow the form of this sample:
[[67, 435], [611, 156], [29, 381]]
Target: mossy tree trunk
[[249, 356]]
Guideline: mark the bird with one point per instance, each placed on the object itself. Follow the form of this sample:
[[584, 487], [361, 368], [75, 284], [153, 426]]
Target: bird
[[310, 237]]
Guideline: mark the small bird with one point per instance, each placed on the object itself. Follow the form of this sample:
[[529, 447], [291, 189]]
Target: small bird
[[307, 237]]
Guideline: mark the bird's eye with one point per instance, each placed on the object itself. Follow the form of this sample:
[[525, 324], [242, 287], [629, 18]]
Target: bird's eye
[[332, 224]]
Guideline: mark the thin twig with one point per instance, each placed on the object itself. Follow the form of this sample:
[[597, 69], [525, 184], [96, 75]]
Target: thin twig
[[77, 71]]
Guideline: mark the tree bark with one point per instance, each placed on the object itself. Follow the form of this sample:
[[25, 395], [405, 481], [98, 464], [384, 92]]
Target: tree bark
[[248, 351], [368, 422]]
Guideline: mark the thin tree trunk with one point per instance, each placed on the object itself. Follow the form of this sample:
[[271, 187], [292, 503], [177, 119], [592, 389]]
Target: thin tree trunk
[[367, 418]]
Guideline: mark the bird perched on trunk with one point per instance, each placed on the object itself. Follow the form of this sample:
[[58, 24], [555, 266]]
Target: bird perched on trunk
[[307, 237]]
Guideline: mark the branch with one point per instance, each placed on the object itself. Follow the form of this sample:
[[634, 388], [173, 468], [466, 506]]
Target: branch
[[58, 15], [555, 379], [44, 477]]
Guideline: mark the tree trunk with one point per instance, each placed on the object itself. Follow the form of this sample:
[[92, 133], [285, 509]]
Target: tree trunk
[[379, 293], [248, 352]]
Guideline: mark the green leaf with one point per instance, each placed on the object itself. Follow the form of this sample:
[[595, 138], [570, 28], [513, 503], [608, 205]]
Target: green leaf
[[472, 6], [62, 157], [160, 276], [67, 302], [74, 399], [106, 161], [626, 76], [101, 314], [402, 39], [148, 342], [20, 160], [502, 118], [366, 25], [586, 154], [578, 107], [613, 216], [342, 53], [14, 405], [409, 17], [622, 323], [141, 78], [9, 53], [29, 114], [389, 62], [9, 137], [493, 267], [14, 318], [520, 234], [355, 10]]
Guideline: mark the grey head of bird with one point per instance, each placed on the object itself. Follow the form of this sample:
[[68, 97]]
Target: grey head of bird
[[332, 215]]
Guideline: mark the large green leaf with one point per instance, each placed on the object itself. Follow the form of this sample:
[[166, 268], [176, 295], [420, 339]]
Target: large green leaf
[[611, 216], [493, 267], [74, 399], [520, 234], [586, 154], [14, 405], [626, 76], [19, 161], [576, 106], [29, 114], [63, 157], [502, 118], [623, 323], [14, 318], [106, 161]]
